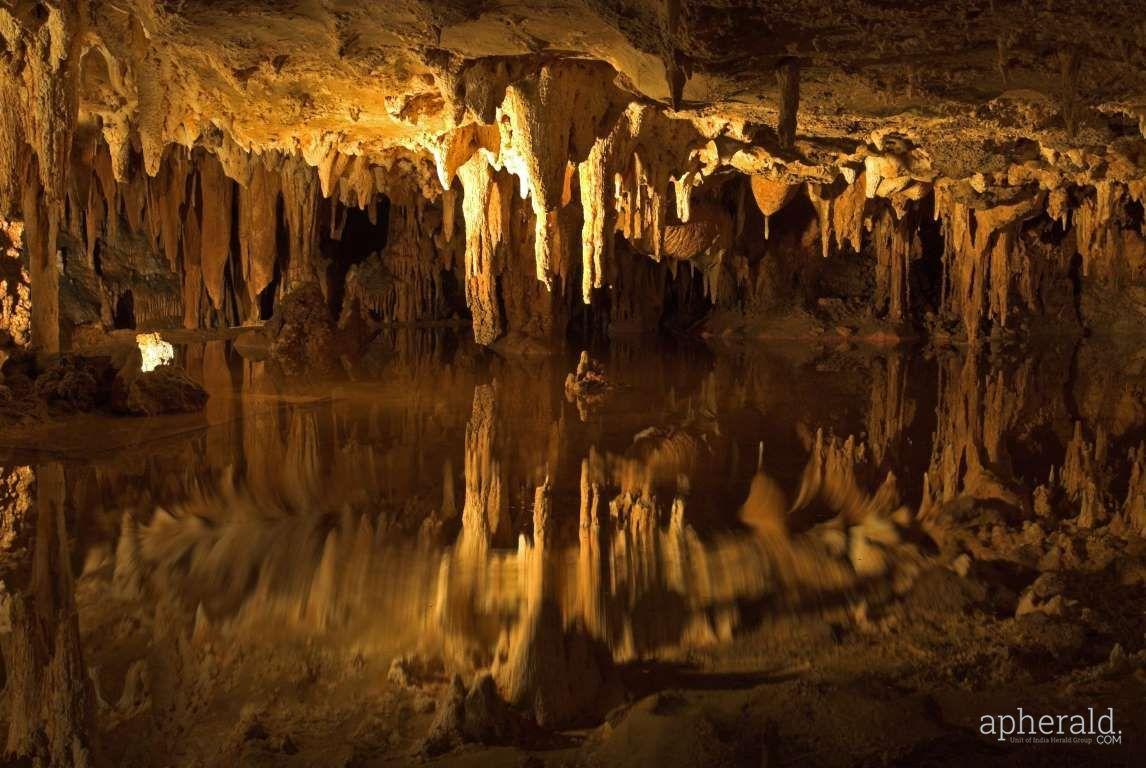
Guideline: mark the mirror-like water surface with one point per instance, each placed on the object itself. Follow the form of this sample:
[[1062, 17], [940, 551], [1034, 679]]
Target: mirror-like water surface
[[563, 531]]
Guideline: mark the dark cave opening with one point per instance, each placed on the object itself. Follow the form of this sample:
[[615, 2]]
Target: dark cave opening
[[925, 274], [352, 238], [124, 315], [686, 302], [269, 295]]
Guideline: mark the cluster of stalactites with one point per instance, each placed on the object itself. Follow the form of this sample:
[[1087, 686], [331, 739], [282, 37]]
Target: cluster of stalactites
[[987, 267], [845, 211], [405, 283], [566, 133], [980, 255], [186, 216], [38, 112], [209, 214]]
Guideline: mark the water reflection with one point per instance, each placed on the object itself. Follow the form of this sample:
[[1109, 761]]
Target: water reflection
[[463, 508]]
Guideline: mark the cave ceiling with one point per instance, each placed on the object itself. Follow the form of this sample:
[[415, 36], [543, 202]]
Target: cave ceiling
[[963, 78]]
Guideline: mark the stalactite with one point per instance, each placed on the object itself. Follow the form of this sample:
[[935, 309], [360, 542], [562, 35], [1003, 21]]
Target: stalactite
[[40, 232], [300, 206], [11, 141], [192, 269], [771, 195], [896, 244], [485, 210], [598, 210], [171, 185], [258, 228], [356, 185], [215, 191], [449, 213]]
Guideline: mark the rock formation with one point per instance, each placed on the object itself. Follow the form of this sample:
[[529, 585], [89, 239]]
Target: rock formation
[[156, 175]]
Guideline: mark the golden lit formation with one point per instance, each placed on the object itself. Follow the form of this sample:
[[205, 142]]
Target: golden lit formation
[[572, 383]]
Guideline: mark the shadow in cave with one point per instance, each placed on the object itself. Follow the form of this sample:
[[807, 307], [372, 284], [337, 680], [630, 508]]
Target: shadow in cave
[[925, 274], [686, 303], [124, 315], [646, 678], [352, 243]]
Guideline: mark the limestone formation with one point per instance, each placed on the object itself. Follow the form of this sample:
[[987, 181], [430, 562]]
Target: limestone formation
[[204, 204]]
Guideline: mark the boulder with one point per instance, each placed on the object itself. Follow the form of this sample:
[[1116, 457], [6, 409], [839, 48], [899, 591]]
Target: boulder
[[166, 389]]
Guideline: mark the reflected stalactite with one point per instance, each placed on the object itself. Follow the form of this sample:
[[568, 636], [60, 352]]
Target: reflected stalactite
[[892, 409], [978, 406], [51, 703], [266, 542], [484, 506], [650, 535]]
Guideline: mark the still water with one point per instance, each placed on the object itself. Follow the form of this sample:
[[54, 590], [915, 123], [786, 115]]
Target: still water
[[447, 503]]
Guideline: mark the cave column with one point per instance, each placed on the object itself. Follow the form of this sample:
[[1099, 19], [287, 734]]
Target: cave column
[[788, 78]]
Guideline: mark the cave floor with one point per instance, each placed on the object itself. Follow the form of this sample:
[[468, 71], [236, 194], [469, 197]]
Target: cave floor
[[677, 559]]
